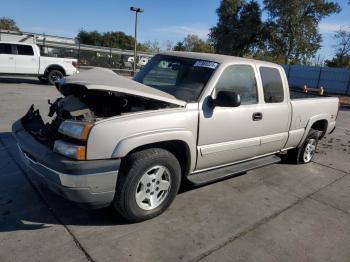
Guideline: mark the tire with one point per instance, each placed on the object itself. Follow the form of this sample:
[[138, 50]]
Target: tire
[[147, 184], [306, 152], [43, 80], [54, 75]]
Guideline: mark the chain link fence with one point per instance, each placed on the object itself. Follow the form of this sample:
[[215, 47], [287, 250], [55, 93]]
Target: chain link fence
[[88, 56]]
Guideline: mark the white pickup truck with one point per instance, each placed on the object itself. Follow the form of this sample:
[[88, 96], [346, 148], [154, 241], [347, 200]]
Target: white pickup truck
[[17, 58]]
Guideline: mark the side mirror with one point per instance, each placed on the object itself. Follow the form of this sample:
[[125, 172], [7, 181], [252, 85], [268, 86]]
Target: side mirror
[[226, 99]]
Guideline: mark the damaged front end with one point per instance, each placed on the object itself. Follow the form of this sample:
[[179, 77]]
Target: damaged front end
[[64, 108], [73, 115]]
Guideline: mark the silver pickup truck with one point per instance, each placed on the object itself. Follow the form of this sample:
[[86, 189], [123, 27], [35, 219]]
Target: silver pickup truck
[[200, 117]]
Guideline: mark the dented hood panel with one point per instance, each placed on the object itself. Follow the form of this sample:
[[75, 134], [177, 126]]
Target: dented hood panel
[[105, 79]]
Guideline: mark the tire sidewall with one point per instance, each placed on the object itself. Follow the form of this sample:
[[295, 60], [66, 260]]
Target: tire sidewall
[[50, 75], [134, 174], [313, 134]]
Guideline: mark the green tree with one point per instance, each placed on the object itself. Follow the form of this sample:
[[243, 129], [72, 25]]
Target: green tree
[[8, 24], [338, 61], [239, 30], [192, 43], [179, 46], [109, 39], [90, 38], [293, 28]]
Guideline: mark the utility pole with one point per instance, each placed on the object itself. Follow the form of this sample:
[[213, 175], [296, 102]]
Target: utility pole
[[136, 10]]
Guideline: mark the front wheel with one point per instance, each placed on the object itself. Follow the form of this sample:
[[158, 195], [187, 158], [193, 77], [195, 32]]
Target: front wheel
[[147, 184], [54, 76]]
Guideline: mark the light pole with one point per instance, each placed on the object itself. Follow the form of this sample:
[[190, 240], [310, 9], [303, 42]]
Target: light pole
[[136, 10]]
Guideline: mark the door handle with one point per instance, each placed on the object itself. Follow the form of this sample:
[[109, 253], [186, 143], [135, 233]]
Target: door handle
[[11, 58], [257, 116]]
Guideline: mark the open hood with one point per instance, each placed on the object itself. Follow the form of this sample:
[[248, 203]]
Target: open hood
[[105, 79]]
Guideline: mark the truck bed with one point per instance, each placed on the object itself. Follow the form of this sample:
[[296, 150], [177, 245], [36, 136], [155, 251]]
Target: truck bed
[[309, 108], [297, 94]]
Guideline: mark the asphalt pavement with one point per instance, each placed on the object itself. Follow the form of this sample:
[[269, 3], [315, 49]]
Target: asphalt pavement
[[277, 213]]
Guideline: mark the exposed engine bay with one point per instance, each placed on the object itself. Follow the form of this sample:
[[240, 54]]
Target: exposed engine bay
[[82, 104]]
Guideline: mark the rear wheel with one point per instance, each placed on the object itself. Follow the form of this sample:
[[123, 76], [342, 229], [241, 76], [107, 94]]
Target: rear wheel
[[54, 76], [147, 184], [306, 152], [309, 150]]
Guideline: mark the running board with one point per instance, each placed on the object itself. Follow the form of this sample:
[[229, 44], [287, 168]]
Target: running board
[[213, 175]]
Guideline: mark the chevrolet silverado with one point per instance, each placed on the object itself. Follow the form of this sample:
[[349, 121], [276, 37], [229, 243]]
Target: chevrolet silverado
[[201, 117]]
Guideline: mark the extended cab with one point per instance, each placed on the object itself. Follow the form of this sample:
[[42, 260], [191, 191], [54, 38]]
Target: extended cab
[[17, 58], [201, 117]]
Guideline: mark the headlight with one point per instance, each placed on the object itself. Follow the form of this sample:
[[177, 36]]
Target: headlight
[[70, 150], [78, 130]]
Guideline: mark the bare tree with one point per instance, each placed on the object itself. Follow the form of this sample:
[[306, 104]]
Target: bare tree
[[342, 46], [152, 46], [168, 45]]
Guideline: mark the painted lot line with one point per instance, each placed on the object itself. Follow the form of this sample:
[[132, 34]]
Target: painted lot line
[[28, 230]]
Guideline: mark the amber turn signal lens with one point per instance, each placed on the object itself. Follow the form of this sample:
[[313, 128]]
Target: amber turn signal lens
[[86, 130], [81, 153]]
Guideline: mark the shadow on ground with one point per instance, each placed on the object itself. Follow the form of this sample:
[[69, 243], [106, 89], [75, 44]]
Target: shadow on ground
[[24, 199], [20, 80], [26, 204]]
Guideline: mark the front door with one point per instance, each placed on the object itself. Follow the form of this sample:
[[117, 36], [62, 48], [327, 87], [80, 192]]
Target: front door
[[7, 59], [231, 134]]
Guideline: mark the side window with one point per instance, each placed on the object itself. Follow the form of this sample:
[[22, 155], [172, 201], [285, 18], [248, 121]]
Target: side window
[[272, 85], [240, 79], [25, 50], [5, 49]]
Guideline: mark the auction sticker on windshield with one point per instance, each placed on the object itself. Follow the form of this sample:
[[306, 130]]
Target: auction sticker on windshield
[[207, 64]]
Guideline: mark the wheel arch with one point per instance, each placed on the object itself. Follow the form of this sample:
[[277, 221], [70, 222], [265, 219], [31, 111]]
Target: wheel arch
[[183, 147], [177, 147], [54, 67], [319, 123]]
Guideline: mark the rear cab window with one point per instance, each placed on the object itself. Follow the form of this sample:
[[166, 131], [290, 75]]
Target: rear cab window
[[25, 50], [272, 84]]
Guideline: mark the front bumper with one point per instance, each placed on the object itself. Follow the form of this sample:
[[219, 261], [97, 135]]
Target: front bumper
[[89, 183]]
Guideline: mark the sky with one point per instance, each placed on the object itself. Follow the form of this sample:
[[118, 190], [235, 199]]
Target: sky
[[162, 20]]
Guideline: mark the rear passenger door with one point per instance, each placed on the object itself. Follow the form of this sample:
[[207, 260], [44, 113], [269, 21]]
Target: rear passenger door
[[274, 108], [7, 58], [26, 61]]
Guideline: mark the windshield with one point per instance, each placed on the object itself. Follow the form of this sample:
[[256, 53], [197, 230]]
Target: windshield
[[181, 77]]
